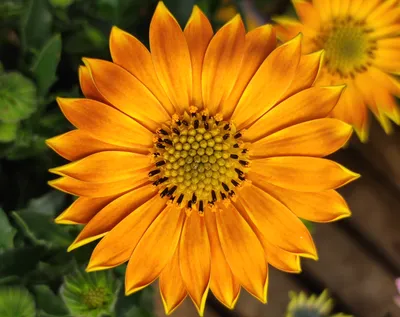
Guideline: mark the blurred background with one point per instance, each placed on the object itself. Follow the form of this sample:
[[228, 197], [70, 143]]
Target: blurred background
[[41, 46]]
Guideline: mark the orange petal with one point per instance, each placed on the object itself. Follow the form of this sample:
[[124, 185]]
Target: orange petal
[[127, 93], [224, 285], [276, 73], [307, 13], [276, 222], [195, 259], [117, 246], [112, 214], [107, 166], [243, 251], [172, 289], [171, 57], [77, 144], [259, 43], [155, 249], [302, 173], [310, 104], [324, 9], [319, 138], [87, 85], [89, 189], [198, 33], [307, 72], [222, 63], [105, 123], [82, 210], [325, 206], [128, 52]]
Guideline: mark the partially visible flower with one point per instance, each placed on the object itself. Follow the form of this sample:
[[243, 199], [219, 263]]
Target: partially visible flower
[[16, 302], [361, 40], [397, 297], [90, 294], [301, 305]]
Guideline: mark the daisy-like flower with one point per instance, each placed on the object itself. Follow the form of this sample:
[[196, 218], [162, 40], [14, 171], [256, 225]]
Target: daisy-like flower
[[194, 162], [361, 39]]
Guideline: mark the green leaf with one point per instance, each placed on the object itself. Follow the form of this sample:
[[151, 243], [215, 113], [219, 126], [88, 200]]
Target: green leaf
[[49, 302], [63, 4], [8, 131], [36, 24], [27, 144], [17, 97], [49, 204], [181, 9], [138, 312], [16, 302], [7, 232], [45, 65], [310, 226], [20, 261]]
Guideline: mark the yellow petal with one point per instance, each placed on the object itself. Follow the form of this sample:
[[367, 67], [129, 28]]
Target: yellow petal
[[324, 206], [171, 57], [319, 138], [172, 289], [310, 104], [301, 173], [224, 285], [126, 93], [243, 251], [307, 13], [112, 214], [195, 259], [87, 85], [107, 166], [259, 43], [307, 72], [82, 210], [287, 28], [366, 8], [117, 246], [324, 9], [77, 144], [275, 74], [128, 52], [198, 33], [388, 59], [105, 123], [222, 64], [155, 249], [276, 222]]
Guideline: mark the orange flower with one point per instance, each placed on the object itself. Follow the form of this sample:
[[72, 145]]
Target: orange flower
[[361, 39], [194, 162]]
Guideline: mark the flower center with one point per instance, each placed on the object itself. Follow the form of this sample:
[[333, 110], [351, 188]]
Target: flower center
[[199, 160], [95, 298], [348, 46]]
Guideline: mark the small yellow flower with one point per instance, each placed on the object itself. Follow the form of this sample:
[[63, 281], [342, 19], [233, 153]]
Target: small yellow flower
[[194, 161], [361, 39]]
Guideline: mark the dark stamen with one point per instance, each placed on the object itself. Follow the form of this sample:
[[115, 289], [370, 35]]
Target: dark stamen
[[190, 204], [238, 135], [203, 117], [160, 163], [162, 131], [239, 171], [194, 198], [178, 122], [206, 126], [168, 141], [223, 196], [214, 196], [156, 154], [244, 151], [194, 114], [235, 183], [201, 207], [226, 126], [226, 136], [154, 172], [179, 201], [225, 187], [244, 163], [160, 181], [236, 146], [231, 193], [241, 177], [160, 146], [185, 122], [172, 198], [196, 124], [164, 192], [172, 190], [176, 131], [234, 156]]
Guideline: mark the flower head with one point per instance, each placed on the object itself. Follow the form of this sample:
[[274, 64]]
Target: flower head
[[194, 162], [361, 42], [16, 302]]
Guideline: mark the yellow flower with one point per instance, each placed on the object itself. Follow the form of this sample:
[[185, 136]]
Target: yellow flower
[[361, 39], [194, 162]]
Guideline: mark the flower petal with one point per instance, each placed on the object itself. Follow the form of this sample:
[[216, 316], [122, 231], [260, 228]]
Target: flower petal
[[243, 251], [117, 246], [198, 33], [301, 173], [128, 52], [126, 93], [276, 222], [82, 210], [224, 285], [77, 144], [155, 249], [195, 259], [259, 43], [312, 103], [172, 289], [324, 206], [276, 73], [105, 123], [87, 85], [107, 166], [307, 13], [113, 213], [222, 64], [319, 138], [171, 57]]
